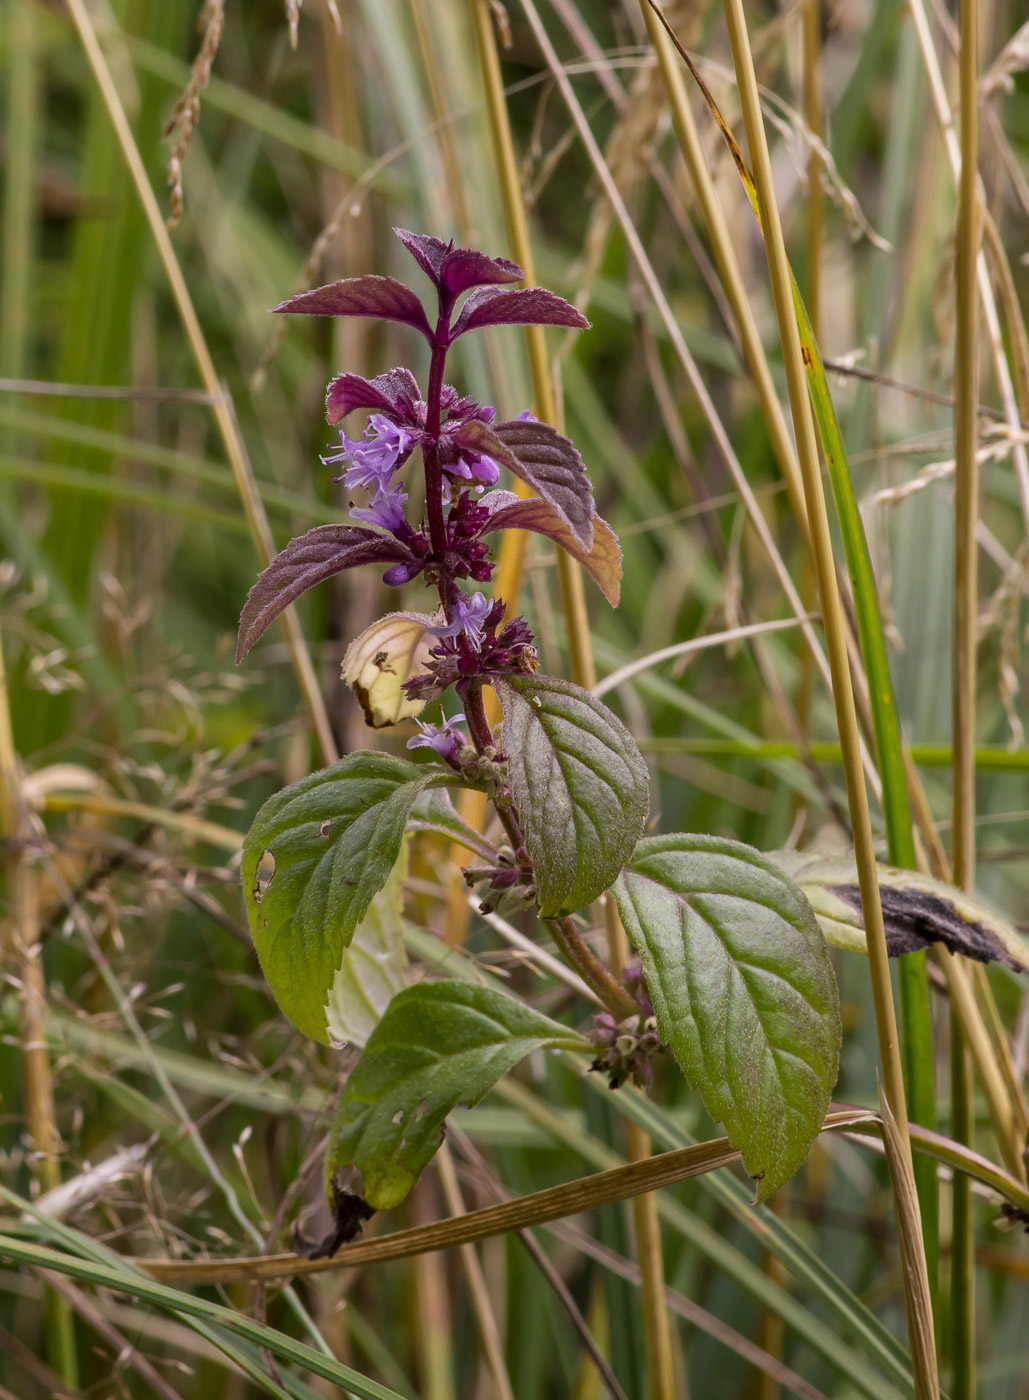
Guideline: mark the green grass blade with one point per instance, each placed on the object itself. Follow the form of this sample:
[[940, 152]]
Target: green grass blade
[[912, 975], [776, 1236], [105, 1269], [913, 978], [153, 454], [709, 1242]]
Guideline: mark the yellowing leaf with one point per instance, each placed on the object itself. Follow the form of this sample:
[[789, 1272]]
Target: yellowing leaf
[[380, 660]]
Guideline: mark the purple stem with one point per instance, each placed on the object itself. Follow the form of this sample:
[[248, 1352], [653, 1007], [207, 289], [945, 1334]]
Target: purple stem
[[433, 469], [576, 951]]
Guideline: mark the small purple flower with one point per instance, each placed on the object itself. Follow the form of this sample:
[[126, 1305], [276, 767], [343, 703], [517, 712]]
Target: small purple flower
[[373, 458], [467, 617], [475, 467], [386, 509], [443, 738]]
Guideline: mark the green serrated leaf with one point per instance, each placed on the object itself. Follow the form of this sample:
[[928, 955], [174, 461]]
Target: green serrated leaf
[[580, 785], [315, 857], [372, 970], [439, 1044], [743, 991], [917, 911]]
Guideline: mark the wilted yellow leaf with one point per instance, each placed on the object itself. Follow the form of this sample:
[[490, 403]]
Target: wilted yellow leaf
[[379, 661]]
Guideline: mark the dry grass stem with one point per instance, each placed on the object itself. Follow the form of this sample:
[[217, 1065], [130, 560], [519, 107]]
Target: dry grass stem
[[186, 112], [221, 406]]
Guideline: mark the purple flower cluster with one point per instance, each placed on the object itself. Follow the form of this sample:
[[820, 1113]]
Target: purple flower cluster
[[462, 448], [372, 461], [479, 645]]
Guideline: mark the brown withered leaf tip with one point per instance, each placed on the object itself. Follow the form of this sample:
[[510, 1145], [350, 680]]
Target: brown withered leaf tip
[[349, 1212], [915, 918]]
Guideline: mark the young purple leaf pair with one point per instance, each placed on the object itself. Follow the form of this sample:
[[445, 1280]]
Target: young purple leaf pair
[[453, 271]]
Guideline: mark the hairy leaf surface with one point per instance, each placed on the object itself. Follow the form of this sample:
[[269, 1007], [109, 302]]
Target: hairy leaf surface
[[383, 298], [531, 306], [544, 460], [457, 269], [743, 991], [394, 392], [306, 561], [439, 1044], [316, 855], [917, 911], [434, 811], [580, 785]]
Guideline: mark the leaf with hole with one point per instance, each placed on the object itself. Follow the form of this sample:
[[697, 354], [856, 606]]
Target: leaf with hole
[[580, 785], [317, 854], [439, 1044], [743, 991]]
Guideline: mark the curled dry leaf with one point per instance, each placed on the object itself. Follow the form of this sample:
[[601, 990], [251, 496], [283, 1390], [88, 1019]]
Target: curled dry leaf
[[380, 660], [917, 911]]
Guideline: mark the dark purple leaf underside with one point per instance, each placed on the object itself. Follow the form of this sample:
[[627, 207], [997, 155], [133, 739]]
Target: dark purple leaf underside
[[531, 306], [544, 460], [603, 562], [464, 268], [457, 269], [395, 392], [384, 298], [310, 559], [428, 252]]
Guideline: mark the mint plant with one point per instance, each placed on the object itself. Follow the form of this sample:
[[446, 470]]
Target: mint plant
[[735, 979]]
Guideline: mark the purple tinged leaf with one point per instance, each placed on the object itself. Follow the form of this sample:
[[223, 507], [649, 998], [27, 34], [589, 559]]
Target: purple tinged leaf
[[384, 298], [396, 392], [603, 562], [428, 252], [454, 270], [531, 306], [464, 268], [310, 559], [544, 460]]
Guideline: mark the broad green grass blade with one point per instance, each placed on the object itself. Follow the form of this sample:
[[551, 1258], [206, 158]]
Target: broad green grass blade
[[103, 1268]]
